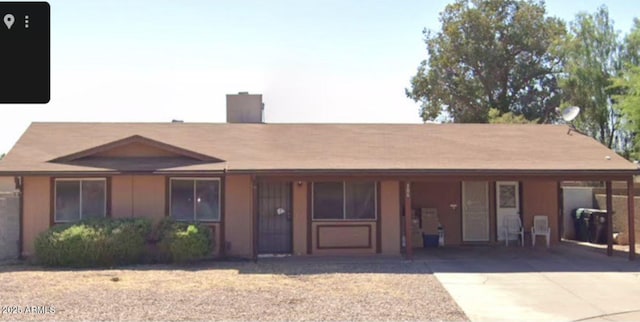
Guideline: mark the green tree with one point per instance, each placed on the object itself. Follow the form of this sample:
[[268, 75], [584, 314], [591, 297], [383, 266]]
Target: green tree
[[495, 117], [2, 156], [592, 58], [629, 105], [490, 54], [632, 44], [627, 85]]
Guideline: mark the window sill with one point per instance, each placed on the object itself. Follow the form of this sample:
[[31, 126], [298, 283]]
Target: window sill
[[198, 221]]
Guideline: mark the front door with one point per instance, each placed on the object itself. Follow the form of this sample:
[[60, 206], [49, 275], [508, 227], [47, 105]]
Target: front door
[[507, 204], [274, 218], [475, 211]]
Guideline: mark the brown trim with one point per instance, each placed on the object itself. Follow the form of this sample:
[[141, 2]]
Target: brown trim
[[109, 201], [309, 218], [460, 211], [482, 174], [521, 202], [560, 203], [446, 175], [609, 217], [254, 210], [343, 221], [493, 211], [342, 247], [293, 218], [136, 139], [631, 219], [167, 195], [400, 213], [378, 218], [223, 188], [52, 197], [408, 218], [20, 186]]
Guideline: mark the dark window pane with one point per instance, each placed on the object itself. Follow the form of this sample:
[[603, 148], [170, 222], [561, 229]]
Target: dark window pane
[[207, 200], [67, 201], [182, 199], [93, 199], [360, 200], [328, 200]]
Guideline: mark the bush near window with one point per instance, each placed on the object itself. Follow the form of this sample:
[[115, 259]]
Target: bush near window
[[182, 242], [107, 242], [94, 242]]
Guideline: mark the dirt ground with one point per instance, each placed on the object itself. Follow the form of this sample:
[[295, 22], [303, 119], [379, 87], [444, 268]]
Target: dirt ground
[[278, 289]]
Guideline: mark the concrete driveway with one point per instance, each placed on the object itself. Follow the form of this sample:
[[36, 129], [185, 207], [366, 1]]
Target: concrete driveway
[[564, 283]]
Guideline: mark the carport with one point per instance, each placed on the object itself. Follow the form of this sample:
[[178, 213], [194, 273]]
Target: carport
[[532, 193]]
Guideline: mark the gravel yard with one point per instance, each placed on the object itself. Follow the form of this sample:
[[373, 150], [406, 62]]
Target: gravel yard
[[274, 289]]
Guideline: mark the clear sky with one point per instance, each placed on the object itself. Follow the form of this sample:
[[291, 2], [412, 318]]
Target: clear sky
[[314, 61]]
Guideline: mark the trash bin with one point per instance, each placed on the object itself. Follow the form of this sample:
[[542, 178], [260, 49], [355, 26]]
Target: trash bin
[[598, 227], [581, 219], [429, 240]]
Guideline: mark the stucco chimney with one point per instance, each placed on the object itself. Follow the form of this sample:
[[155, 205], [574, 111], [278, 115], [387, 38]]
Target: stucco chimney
[[245, 108]]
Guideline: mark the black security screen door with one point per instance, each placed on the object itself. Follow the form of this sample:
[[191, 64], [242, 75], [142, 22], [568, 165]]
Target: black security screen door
[[274, 218]]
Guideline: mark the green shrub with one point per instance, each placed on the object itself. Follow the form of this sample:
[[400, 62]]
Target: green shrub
[[94, 242], [183, 242]]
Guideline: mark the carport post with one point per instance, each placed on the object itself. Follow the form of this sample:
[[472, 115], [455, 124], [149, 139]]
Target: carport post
[[407, 221], [631, 206], [609, 222]]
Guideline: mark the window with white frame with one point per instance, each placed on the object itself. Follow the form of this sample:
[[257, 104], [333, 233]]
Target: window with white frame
[[344, 200], [77, 199], [195, 199]]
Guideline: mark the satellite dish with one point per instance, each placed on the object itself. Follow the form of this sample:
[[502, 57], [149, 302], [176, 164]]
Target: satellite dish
[[570, 113]]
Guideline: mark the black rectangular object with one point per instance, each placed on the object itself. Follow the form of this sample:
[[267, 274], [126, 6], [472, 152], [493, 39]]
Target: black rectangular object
[[25, 52]]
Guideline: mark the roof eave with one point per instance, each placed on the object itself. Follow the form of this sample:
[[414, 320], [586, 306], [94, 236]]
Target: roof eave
[[603, 174]]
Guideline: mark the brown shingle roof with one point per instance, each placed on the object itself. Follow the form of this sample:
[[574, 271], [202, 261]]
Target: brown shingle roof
[[331, 147]]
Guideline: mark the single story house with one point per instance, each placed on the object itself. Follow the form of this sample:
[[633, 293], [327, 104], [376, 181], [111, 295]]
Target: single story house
[[304, 189]]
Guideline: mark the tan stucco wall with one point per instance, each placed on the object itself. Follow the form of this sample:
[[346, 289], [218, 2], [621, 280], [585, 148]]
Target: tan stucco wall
[[540, 198], [138, 196], [238, 216], [390, 217], [122, 196], [441, 195], [300, 218], [36, 211]]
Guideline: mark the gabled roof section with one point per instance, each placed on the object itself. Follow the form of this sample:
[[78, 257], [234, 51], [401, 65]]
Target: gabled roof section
[[398, 149], [135, 146]]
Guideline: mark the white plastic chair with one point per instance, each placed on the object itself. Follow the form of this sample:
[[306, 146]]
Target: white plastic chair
[[512, 225], [540, 228]]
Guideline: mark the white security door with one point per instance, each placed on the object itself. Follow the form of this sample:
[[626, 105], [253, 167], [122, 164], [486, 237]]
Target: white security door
[[507, 203], [475, 211]]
